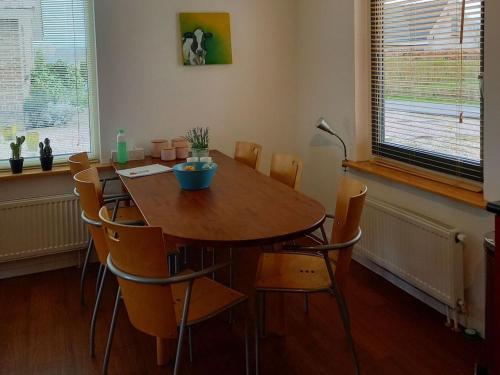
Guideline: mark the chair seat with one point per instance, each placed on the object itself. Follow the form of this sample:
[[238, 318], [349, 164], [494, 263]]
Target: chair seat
[[208, 298], [292, 272], [125, 213]]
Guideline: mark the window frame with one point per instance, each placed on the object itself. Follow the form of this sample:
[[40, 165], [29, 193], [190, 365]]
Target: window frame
[[93, 102], [414, 157]]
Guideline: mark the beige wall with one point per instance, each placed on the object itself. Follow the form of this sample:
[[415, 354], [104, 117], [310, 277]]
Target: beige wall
[[144, 88], [327, 87]]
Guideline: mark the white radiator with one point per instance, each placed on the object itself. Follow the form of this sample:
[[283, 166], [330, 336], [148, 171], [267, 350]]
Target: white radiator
[[40, 226], [422, 252]]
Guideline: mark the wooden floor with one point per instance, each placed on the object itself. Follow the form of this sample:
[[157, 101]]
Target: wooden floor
[[44, 330]]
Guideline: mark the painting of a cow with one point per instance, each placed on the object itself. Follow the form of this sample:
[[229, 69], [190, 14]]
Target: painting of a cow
[[194, 47], [206, 38]]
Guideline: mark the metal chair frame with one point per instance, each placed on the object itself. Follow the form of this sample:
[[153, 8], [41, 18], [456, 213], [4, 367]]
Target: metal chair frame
[[189, 278], [101, 275], [90, 245], [334, 290]]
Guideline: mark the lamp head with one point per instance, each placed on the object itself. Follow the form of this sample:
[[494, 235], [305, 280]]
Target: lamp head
[[323, 125]]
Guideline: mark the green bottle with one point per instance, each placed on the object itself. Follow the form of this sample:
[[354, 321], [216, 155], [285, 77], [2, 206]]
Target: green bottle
[[121, 147]]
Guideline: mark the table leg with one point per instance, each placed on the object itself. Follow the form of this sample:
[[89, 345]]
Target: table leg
[[125, 191], [165, 351]]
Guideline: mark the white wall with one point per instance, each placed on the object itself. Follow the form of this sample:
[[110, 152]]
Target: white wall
[[144, 88], [326, 86]]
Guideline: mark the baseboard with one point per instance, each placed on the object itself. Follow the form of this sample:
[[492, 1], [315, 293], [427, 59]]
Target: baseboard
[[42, 264], [415, 292]]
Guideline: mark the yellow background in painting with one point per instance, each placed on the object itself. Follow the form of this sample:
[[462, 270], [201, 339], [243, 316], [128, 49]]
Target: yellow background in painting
[[219, 46]]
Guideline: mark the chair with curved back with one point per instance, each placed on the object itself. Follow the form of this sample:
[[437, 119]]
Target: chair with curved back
[[319, 268], [77, 163], [91, 200], [248, 153], [158, 304], [287, 169]]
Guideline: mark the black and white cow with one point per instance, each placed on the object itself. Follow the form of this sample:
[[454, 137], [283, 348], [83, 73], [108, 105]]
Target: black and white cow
[[194, 47]]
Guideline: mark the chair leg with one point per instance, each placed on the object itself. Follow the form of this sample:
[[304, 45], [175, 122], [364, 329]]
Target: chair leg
[[111, 332], [185, 312], [261, 315], [247, 356], [202, 258], [344, 312], [346, 320], [306, 303], [230, 317], [323, 234], [213, 262], [94, 314], [256, 329], [185, 255], [84, 270], [98, 279], [190, 341]]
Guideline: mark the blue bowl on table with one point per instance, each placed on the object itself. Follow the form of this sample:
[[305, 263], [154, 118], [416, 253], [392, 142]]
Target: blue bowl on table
[[195, 175]]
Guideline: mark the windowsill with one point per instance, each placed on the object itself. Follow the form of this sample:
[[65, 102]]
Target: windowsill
[[36, 172], [448, 190]]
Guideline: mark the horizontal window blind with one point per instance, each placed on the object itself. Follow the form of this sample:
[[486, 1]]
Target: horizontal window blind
[[427, 70], [47, 77]]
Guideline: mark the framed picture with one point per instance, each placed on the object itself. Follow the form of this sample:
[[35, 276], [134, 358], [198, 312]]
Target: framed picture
[[206, 38]]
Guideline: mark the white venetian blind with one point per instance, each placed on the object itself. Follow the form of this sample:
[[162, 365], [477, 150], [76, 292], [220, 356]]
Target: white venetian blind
[[427, 69], [47, 76]]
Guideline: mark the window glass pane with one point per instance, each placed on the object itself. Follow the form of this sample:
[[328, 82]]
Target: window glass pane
[[46, 69], [426, 81]]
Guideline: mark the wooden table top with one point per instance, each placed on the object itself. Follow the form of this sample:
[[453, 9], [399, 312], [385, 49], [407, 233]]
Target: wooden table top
[[242, 207]]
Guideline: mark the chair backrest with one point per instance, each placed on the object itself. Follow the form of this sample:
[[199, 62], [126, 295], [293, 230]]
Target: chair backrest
[[248, 153], [287, 169], [78, 162], [141, 251], [90, 190], [350, 202], [89, 187]]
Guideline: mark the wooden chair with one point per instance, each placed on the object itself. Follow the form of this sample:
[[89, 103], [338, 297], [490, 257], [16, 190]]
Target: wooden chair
[[248, 153], [156, 303], [287, 169], [91, 200], [78, 163], [318, 268]]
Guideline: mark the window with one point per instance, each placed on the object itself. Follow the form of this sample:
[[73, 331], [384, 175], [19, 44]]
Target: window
[[427, 70], [47, 77]]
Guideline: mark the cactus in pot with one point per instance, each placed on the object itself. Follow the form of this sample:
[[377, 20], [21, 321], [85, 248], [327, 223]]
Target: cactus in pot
[[46, 157], [16, 162]]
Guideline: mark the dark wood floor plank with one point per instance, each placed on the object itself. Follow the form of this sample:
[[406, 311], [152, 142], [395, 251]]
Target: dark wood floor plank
[[44, 330]]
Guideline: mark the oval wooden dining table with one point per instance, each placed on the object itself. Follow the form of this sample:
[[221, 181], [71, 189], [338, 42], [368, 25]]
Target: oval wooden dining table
[[241, 208]]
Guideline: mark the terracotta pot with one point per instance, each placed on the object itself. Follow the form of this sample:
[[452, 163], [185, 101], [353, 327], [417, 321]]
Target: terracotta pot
[[168, 154], [179, 142], [157, 146], [182, 152]]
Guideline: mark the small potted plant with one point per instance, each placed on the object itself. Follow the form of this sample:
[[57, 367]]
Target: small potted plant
[[198, 137], [16, 161], [46, 157]]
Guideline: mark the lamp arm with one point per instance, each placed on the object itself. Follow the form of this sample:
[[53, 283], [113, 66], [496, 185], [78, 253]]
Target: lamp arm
[[343, 145]]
